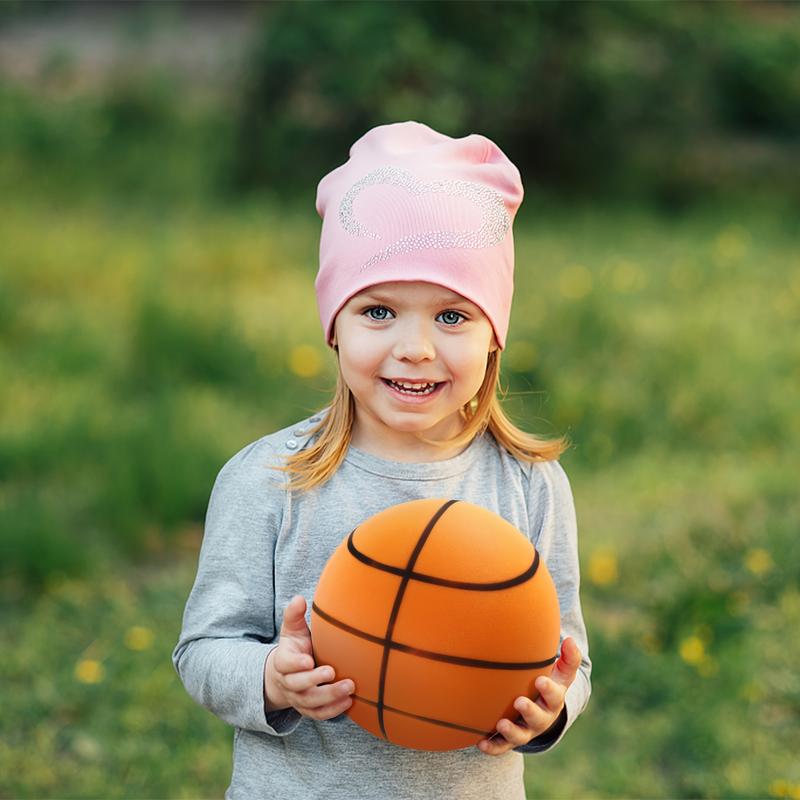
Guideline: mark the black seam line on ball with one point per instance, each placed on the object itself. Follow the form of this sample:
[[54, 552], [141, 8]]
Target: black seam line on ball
[[398, 600], [432, 721], [462, 661], [423, 578]]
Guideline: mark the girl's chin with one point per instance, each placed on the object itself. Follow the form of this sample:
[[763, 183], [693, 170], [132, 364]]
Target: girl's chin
[[410, 423]]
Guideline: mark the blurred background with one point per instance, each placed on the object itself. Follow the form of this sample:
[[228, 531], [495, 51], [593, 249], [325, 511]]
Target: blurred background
[[158, 247]]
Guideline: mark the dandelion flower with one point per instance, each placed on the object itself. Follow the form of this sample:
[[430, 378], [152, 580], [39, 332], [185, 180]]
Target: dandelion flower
[[692, 650], [89, 670], [305, 361], [780, 788], [138, 638], [758, 561], [603, 568]]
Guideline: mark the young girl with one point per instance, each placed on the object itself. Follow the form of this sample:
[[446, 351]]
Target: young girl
[[414, 292]]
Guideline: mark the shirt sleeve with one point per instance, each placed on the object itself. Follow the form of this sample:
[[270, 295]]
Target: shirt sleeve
[[552, 512], [229, 623]]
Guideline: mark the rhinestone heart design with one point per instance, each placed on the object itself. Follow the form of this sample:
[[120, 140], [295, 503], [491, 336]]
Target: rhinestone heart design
[[494, 215]]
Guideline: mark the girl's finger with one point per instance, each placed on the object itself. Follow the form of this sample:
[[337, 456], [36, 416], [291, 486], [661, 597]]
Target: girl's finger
[[318, 697], [535, 716], [494, 746], [287, 660], [551, 695], [301, 681], [330, 710], [515, 734]]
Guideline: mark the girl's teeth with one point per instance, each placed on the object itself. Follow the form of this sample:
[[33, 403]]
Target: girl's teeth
[[411, 389]]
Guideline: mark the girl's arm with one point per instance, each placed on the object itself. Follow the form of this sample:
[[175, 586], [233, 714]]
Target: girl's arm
[[557, 544], [229, 624]]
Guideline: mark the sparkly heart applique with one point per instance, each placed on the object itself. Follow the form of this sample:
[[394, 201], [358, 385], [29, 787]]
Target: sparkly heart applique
[[493, 211]]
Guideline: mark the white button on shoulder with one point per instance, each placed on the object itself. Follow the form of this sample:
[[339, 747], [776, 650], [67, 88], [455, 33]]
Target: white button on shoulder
[[299, 432], [292, 444]]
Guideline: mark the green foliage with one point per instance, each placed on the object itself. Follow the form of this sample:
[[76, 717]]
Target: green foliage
[[168, 349], [133, 140], [668, 101], [120, 361], [35, 538], [671, 103], [155, 472]]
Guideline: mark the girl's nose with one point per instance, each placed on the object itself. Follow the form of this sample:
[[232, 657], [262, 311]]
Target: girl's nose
[[414, 344]]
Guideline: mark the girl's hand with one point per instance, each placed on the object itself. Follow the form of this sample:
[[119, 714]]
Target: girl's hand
[[539, 715], [290, 678]]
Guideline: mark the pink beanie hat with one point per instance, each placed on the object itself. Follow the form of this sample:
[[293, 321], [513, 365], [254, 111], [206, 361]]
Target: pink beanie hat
[[412, 204]]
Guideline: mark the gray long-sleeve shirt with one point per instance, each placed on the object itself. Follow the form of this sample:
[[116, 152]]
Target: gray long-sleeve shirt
[[263, 544]]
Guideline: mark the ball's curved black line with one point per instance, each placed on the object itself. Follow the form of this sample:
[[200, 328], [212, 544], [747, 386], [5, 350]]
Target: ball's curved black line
[[423, 578], [398, 600], [462, 661], [431, 720]]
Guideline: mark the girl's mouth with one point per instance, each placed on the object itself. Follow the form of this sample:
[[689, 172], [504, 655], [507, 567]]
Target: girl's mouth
[[417, 392]]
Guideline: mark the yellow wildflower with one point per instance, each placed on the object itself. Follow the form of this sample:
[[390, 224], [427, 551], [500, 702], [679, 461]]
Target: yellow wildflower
[[692, 650], [603, 568], [305, 360], [758, 561], [89, 670], [138, 638], [780, 788]]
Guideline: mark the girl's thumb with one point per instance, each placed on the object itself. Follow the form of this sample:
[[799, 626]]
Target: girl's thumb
[[567, 666], [294, 620]]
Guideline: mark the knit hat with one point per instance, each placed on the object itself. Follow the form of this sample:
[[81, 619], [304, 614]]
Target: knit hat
[[412, 204]]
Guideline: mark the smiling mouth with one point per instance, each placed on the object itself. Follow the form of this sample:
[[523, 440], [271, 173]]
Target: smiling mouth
[[412, 389]]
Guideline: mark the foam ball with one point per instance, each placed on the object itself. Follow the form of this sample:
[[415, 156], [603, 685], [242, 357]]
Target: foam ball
[[442, 613]]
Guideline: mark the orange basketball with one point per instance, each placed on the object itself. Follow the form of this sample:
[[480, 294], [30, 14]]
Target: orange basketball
[[443, 614]]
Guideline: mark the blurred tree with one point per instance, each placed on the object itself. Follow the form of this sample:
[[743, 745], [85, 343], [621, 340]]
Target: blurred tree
[[602, 97]]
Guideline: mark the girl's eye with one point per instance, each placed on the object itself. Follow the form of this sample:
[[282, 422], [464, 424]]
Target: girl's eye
[[452, 317], [380, 313]]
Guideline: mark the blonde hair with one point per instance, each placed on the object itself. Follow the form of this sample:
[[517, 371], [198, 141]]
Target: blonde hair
[[318, 462]]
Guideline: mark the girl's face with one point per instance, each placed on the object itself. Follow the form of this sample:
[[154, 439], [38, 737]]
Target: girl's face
[[414, 333]]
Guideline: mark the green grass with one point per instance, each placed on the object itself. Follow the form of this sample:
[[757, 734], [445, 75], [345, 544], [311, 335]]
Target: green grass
[[91, 704], [141, 348]]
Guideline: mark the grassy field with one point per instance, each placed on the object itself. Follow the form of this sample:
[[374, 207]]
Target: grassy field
[[139, 348]]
